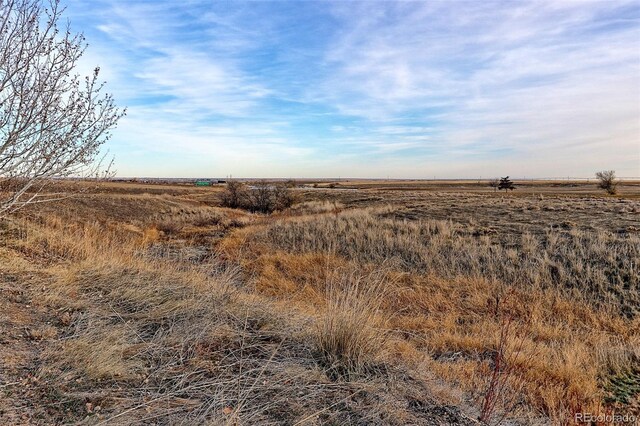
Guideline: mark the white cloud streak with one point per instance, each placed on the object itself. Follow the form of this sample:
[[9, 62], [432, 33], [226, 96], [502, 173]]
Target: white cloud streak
[[407, 89], [540, 79]]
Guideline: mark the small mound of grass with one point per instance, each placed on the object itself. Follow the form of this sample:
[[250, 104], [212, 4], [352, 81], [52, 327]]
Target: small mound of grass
[[349, 336]]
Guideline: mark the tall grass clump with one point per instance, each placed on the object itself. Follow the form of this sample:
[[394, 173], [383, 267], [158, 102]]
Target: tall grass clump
[[349, 337]]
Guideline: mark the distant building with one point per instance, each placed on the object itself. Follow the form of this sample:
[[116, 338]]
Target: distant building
[[208, 182]]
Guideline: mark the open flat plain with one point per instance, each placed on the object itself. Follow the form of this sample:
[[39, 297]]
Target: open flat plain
[[366, 302]]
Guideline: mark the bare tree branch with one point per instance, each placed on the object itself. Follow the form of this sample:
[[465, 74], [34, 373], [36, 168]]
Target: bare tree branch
[[53, 122]]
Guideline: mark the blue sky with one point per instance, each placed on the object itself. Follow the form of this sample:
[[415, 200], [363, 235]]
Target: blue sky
[[402, 89]]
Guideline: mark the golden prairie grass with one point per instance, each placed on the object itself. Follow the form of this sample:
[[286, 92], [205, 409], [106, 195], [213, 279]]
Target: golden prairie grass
[[597, 266], [143, 338], [298, 316], [576, 296], [316, 207], [352, 332]]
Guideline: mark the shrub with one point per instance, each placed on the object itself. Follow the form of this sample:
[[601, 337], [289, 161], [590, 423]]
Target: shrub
[[265, 197], [234, 195], [283, 197], [261, 197], [607, 181]]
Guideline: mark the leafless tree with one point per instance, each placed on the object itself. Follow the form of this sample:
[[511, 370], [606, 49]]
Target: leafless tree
[[607, 181], [53, 122], [494, 183], [283, 196], [234, 195], [261, 197]]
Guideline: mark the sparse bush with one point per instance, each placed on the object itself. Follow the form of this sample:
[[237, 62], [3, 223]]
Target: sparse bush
[[261, 197], [494, 183], [234, 195], [265, 197], [607, 181], [283, 197], [207, 218]]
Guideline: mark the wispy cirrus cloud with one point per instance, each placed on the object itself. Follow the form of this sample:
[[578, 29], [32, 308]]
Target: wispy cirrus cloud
[[542, 79], [407, 89]]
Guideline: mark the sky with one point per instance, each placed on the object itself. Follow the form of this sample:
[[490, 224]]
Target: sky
[[404, 89]]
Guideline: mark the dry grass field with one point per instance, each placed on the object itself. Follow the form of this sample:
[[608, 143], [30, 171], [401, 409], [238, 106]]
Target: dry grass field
[[366, 302]]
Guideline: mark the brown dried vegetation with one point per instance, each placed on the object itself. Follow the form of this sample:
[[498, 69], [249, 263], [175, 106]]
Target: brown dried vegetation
[[362, 306]]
